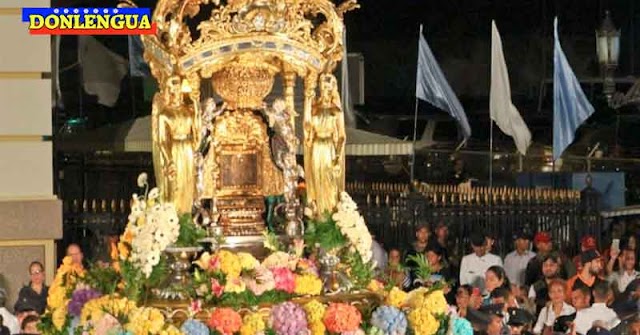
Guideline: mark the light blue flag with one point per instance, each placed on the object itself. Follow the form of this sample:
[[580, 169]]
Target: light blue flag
[[570, 106], [432, 86]]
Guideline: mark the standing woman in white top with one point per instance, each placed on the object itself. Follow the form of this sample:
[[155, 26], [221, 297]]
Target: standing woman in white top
[[555, 308]]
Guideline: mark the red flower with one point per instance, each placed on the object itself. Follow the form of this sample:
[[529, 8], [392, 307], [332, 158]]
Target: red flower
[[216, 288]]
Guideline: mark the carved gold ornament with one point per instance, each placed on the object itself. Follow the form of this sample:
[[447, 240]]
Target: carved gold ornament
[[240, 46]]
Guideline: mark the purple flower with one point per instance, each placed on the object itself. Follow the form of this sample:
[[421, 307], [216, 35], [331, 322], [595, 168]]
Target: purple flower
[[288, 319], [81, 297]]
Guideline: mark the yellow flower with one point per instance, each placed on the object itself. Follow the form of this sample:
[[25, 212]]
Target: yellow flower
[[307, 285], [252, 324], [127, 237], [423, 322], [59, 316], [436, 303], [145, 320], [171, 330], [247, 261], [235, 285], [416, 298], [204, 261], [315, 311], [56, 297], [317, 328], [123, 250], [396, 298], [375, 286], [66, 262], [229, 263]]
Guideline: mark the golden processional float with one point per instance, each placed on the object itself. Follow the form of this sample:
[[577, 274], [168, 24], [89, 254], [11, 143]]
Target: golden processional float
[[219, 159]]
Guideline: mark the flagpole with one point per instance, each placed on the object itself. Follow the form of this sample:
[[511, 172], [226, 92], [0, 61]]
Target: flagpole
[[415, 135], [490, 152], [415, 124]]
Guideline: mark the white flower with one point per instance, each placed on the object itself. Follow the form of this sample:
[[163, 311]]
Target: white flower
[[142, 179], [153, 194], [308, 212]]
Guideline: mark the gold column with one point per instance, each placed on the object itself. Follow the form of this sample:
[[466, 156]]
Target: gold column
[[310, 83], [289, 81]]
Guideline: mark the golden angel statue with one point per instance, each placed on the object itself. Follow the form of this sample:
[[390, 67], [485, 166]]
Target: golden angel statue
[[325, 142], [175, 137]]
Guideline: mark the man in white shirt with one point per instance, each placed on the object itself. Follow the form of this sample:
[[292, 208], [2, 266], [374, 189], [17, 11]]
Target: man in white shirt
[[8, 320], [515, 264], [597, 312], [474, 265]]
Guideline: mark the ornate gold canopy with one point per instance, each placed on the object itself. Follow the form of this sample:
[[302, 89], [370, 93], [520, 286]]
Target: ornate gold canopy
[[241, 46]]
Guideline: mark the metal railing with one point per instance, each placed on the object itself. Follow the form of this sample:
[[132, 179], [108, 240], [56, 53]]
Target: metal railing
[[393, 211]]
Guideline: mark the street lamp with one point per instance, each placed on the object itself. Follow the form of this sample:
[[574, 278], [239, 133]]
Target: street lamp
[[608, 49]]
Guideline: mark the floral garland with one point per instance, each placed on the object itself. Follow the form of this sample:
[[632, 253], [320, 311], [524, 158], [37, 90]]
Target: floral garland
[[353, 226], [152, 227], [61, 291]]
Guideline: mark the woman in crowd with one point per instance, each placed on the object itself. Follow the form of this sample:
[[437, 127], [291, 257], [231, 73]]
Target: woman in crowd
[[555, 308], [396, 272], [626, 271], [494, 277], [35, 293], [465, 300]]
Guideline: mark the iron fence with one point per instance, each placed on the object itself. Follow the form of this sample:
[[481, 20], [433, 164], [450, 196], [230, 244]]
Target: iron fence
[[394, 211]]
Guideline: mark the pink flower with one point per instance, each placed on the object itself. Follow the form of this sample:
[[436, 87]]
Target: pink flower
[[214, 263], [196, 305], [285, 280], [216, 288], [261, 282]]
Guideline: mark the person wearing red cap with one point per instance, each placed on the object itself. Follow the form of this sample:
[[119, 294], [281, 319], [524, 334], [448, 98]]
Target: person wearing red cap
[[544, 245], [587, 243]]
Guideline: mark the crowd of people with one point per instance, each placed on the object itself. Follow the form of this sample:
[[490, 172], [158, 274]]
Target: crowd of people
[[534, 289], [32, 299]]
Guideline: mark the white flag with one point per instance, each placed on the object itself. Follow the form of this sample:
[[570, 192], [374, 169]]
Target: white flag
[[502, 110], [102, 70], [347, 104]]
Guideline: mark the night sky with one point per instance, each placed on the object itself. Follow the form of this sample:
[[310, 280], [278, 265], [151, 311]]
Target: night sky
[[458, 31]]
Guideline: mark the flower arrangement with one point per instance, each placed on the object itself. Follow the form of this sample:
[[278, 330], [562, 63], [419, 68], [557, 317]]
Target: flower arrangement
[[60, 294], [307, 285], [80, 298], [341, 318], [353, 226], [252, 324], [194, 327], [288, 319], [226, 321], [390, 320], [284, 279], [152, 226]]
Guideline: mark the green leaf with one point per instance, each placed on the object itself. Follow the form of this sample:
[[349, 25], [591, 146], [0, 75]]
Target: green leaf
[[361, 273], [325, 234], [190, 233], [159, 273], [272, 242], [423, 270], [103, 279]]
